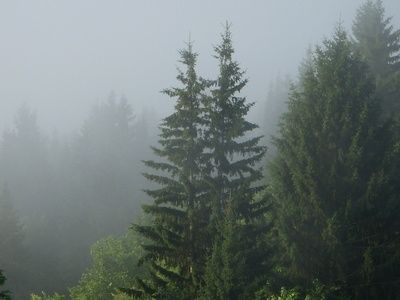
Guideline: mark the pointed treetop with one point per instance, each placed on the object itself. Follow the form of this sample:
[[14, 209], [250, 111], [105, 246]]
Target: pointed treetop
[[225, 49]]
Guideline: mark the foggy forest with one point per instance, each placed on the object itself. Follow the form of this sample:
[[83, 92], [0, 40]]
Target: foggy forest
[[200, 150]]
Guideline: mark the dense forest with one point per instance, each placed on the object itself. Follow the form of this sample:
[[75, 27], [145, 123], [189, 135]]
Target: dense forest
[[301, 203]]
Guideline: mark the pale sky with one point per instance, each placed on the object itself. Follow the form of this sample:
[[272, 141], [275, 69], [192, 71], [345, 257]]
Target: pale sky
[[61, 56]]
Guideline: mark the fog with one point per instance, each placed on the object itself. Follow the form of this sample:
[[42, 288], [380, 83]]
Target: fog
[[60, 57], [81, 104]]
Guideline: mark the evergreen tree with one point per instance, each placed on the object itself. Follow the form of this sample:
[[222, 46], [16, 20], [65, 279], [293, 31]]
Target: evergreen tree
[[379, 44], [20, 167], [230, 154], [328, 179], [376, 38], [235, 262], [12, 254], [108, 166], [239, 263], [5, 295], [177, 238]]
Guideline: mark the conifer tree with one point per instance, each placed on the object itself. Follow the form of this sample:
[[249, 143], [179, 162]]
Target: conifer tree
[[376, 38], [177, 237], [231, 151], [239, 263], [13, 256], [379, 43], [329, 176], [232, 154], [5, 295]]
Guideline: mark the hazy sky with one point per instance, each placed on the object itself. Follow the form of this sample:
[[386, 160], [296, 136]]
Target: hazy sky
[[62, 56]]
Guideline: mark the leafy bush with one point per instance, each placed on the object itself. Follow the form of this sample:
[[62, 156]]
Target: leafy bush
[[115, 265], [318, 291], [44, 296]]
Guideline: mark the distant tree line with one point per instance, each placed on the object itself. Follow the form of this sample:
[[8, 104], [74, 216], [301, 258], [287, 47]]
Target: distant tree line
[[60, 194]]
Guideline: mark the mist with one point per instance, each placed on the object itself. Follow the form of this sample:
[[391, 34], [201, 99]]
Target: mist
[[61, 57], [109, 156]]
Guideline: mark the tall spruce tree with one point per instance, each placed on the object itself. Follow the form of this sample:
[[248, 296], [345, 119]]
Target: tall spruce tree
[[177, 237], [379, 43], [232, 155], [335, 208], [231, 152]]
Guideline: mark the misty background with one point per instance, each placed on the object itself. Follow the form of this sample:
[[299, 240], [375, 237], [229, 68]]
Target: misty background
[[60, 57]]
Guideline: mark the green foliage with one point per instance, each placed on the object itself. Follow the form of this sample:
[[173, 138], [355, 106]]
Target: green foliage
[[292, 294], [318, 291], [121, 296], [230, 153], [237, 259], [114, 265], [330, 209], [45, 296], [329, 177], [176, 247], [208, 166], [239, 262]]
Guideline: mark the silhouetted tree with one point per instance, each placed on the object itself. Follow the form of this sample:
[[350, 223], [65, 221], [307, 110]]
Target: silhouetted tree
[[231, 155], [177, 238]]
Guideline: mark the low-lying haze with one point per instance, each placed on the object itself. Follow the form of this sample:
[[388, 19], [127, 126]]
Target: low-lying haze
[[60, 57]]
